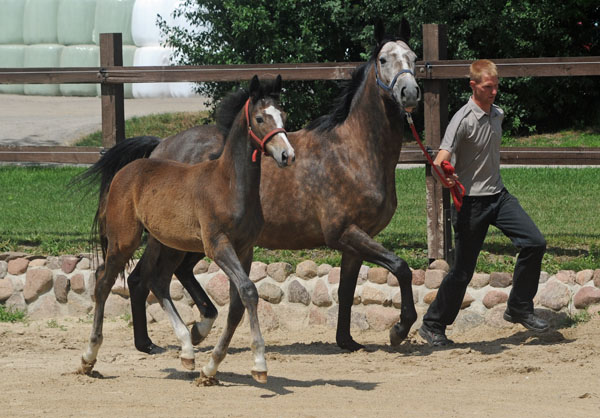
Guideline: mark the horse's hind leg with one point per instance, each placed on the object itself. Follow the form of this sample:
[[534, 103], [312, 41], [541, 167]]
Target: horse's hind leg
[[105, 279], [138, 294], [348, 277], [184, 273], [243, 293], [158, 273], [356, 241]]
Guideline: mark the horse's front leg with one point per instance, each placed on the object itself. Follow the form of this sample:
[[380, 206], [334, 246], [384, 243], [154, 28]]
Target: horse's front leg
[[185, 274], [243, 294], [356, 241]]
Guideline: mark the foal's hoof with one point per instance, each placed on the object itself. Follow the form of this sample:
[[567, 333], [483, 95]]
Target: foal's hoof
[[398, 333], [188, 363], [260, 377], [205, 380], [86, 367]]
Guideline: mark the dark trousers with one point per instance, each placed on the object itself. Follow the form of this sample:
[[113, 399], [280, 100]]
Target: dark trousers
[[471, 224]]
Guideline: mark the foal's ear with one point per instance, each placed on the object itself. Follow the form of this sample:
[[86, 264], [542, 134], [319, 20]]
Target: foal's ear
[[405, 30], [255, 88], [379, 31]]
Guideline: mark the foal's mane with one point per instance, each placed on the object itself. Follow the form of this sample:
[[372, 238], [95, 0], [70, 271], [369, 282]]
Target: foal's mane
[[341, 105], [230, 105]]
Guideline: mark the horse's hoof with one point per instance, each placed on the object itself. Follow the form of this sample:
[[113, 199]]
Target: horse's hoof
[[350, 345], [86, 367], [205, 380], [260, 377], [188, 363], [398, 333], [150, 348], [200, 330]]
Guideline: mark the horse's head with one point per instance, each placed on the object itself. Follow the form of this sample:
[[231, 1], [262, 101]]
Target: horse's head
[[266, 121], [395, 67]]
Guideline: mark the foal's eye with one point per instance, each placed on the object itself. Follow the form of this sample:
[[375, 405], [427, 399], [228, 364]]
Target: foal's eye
[[382, 61], [259, 119]]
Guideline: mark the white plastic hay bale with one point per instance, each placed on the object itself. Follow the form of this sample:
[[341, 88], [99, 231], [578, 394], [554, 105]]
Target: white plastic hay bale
[[128, 54], [75, 21], [39, 22], [113, 16], [151, 56], [182, 89], [42, 55], [11, 21], [144, 27], [12, 56], [79, 56]]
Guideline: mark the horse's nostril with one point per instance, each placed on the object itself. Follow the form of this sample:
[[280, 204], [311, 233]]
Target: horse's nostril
[[284, 157]]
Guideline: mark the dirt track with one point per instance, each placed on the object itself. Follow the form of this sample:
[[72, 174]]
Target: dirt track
[[489, 373]]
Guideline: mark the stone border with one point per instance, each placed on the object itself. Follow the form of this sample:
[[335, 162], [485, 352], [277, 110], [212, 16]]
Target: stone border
[[49, 287]]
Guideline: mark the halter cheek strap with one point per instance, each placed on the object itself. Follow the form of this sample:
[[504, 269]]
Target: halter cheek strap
[[260, 144], [391, 86]]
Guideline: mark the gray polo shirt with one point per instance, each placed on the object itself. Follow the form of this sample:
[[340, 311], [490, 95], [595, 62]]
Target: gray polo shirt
[[473, 138]]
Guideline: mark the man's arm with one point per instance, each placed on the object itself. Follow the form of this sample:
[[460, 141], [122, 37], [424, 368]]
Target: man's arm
[[444, 155]]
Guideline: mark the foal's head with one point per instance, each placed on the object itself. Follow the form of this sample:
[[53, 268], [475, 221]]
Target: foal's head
[[395, 67], [263, 117]]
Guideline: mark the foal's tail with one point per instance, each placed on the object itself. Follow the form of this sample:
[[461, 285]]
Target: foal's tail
[[105, 169]]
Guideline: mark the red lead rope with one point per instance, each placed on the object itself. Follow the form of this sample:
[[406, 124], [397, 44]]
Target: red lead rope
[[458, 190]]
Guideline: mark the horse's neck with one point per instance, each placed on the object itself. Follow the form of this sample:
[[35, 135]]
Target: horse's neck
[[236, 161], [378, 124]]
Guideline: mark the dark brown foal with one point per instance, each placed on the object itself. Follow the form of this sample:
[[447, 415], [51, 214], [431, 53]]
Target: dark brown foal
[[211, 207]]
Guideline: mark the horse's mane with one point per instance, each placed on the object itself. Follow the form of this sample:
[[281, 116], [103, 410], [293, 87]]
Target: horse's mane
[[341, 106], [230, 105]]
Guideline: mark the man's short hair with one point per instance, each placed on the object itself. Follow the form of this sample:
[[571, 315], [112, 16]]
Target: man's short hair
[[481, 68]]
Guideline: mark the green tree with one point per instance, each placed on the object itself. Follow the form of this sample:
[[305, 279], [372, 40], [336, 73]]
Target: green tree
[[291, 31]]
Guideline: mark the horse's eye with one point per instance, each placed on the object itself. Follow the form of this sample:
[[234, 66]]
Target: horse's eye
[[382, 61], [259, 119]]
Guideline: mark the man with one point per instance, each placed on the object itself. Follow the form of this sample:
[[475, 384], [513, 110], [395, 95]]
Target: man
[[472, 144]]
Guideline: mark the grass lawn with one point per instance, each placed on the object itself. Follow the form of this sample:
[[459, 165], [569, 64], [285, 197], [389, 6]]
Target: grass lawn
[[40, 215]]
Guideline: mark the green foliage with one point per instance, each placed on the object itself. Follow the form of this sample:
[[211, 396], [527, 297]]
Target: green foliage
[[11, 315], [579, 317], [290, 31]]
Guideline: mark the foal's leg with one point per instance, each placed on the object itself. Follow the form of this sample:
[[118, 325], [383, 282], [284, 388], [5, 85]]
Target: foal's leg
[[243, 293], [106, 276], [356, 241], [184, 273]]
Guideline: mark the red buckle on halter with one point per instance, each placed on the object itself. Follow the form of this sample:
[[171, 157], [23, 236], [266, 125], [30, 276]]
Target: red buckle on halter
[[259, 143]]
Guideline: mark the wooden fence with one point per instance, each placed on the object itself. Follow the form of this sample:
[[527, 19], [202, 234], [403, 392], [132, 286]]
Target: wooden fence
[[434, 71]]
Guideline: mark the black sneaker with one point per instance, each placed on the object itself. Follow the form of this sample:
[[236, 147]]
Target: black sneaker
[[529, 321], [434, 339]]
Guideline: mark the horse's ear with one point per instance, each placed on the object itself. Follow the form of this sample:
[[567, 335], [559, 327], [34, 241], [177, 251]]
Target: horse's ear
[[255, 88], [277, 85], [379, 31], [405, 30]]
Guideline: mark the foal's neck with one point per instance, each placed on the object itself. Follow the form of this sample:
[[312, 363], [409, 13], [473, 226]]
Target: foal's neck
[[236, 159]]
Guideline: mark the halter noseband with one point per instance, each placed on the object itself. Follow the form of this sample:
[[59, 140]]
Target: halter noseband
[[259, 143], [391, 86]]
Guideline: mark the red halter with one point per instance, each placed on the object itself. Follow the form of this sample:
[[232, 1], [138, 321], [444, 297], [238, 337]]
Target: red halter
[[458, 190], [260, 143]]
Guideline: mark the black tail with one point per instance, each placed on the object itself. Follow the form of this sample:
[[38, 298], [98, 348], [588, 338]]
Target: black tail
[[105, 169], [115, 159]]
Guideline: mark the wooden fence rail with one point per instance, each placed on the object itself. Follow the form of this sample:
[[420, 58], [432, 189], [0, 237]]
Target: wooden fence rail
[[434, 71]]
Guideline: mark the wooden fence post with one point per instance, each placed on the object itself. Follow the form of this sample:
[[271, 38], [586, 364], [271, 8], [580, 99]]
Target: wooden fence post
[[113, 105], [439, 225]]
